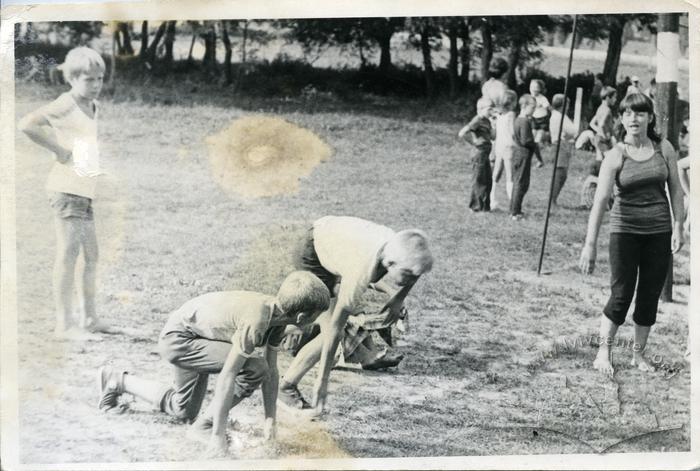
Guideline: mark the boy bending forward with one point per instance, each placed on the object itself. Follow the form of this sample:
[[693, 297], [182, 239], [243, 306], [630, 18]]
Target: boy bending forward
[[218, 333]]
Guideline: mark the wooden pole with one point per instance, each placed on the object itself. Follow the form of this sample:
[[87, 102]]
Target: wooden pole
[[577, 109], [556, 153], [667, 54]]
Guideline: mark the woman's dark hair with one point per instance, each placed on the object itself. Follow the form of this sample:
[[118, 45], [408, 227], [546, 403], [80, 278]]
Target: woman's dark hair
[[640, 103]]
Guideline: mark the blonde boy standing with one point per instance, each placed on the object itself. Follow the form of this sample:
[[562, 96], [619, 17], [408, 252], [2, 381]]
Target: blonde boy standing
[[68, 128]]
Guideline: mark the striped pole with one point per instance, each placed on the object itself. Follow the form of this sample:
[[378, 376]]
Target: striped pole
[[666, 99]]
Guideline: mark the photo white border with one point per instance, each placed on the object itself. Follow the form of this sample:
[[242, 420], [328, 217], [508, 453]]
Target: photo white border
[[251, 9]]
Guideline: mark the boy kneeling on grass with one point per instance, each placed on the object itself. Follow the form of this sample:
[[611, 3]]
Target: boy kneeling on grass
[[218, 333]]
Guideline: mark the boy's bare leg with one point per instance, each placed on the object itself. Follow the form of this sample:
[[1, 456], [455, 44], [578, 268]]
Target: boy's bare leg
[[603, 360], [89, 319], [493, 196], [307, 357], [68, 240], [508, 171], [641, 334]]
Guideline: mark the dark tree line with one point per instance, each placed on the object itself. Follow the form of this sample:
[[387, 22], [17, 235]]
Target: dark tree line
[[467, 40]]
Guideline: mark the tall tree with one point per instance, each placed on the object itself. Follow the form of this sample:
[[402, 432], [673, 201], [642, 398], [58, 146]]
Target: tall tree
[[209, 35], [168, 42], [452, 30], [518, 38], [427, 31], [616, 26], [356, 32], [194, 27], [124, 31], [150, 55], [144, 39], [486, 47], [612, 28], [228, 71], [464, 52]]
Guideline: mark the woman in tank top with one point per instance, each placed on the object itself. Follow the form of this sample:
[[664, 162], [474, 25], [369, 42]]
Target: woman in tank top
[[642, 236]]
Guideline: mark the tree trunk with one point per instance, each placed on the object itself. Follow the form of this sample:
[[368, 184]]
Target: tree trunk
[[612, 59], [29, 33], [454, 59], [465, 57], [117, 43], [384, 40], [144, 39], [513, 60], [486, 49], [153, 47], [194, 38], [227, 58], [169, 40], [244, 41], [209, 59], [126, 38], [427, 62]]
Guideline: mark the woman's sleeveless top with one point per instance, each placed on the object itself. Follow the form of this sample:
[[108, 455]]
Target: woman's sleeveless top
[[641, 205]]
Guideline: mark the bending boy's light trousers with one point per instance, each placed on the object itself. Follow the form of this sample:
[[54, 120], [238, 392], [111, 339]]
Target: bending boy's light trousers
[[194, 359]]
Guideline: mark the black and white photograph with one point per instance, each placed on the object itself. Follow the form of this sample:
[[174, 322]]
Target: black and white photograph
[[241, 235]]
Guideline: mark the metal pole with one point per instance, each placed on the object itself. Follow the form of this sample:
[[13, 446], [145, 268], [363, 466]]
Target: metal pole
[[667, 53], [556, 153]]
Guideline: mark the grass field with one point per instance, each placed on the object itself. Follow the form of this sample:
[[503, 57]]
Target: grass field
[[494, 363]]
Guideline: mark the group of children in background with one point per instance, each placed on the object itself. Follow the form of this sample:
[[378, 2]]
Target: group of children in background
[[504, 142], [507, 132]]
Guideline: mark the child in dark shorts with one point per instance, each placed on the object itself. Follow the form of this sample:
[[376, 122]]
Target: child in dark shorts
[[479, 133], [71, 185]]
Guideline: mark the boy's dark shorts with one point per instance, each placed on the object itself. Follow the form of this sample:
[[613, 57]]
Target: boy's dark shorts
[[67, 205], [541, 122], [308, 260]]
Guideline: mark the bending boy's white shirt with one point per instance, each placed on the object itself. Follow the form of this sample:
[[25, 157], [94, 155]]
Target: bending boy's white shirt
[[349, 247], [78, 132]]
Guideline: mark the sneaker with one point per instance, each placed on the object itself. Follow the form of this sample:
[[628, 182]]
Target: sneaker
[[382, 362], [290, 397], [517, 217], [111, 386]]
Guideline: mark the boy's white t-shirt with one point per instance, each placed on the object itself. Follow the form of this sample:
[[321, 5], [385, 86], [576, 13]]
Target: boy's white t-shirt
[[78, 132], [504, 131], [349, 247]]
